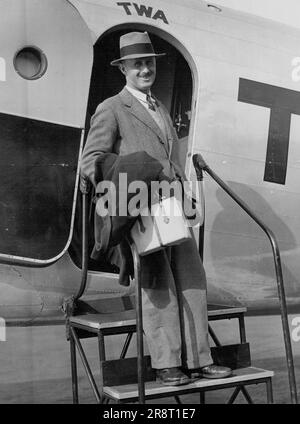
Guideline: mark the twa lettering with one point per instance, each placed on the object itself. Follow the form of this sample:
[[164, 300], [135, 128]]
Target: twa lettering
[[142, 10]]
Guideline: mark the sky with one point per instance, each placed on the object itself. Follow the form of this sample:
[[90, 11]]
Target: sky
[[287, 11]]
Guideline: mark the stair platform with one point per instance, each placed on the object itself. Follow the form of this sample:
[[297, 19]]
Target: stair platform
[[241, 376], [98, 322], [108, 321]]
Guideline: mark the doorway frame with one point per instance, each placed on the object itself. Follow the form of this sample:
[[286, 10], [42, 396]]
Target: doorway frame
[[182, 49]]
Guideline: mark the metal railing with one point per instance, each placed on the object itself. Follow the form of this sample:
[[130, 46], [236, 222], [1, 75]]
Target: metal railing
[[200, 165], [85, 188]]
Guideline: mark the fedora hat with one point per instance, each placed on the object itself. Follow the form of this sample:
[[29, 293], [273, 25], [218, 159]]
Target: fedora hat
[[135, 45]]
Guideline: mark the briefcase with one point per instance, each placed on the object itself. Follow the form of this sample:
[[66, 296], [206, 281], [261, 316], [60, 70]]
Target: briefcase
[[164, 225]]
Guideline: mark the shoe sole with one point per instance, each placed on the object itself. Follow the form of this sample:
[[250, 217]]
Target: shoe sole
[[225, 375]]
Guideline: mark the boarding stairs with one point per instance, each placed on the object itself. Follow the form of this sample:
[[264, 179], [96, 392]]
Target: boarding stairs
[[118, 377], [132, 379]]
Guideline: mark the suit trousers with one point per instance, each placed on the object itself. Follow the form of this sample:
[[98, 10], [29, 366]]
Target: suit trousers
[[174, 302]]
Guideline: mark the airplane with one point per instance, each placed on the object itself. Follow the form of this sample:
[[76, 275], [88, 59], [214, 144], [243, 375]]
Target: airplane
[[230, 82]]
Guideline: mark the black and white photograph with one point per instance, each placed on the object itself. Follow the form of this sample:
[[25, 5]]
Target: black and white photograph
[[149, 205]]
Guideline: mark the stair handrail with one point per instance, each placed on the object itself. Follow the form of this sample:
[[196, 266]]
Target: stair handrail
[[85, 188], [200, 165]]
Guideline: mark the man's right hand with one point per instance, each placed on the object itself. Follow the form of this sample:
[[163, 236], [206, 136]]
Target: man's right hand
[[85, 184]]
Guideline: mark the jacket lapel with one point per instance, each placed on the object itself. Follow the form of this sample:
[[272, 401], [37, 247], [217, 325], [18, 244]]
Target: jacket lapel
[[140, 113], [167, 125]]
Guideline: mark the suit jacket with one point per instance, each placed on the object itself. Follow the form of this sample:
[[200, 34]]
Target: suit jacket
[[122, 125]]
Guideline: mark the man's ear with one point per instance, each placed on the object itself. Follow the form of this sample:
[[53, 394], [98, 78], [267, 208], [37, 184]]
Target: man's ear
[[122, 68]]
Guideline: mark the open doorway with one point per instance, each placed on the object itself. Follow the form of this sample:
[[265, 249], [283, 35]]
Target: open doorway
[[173, 87]]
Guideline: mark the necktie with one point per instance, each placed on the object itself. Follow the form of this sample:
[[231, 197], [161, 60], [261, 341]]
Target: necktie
[[151, 103]]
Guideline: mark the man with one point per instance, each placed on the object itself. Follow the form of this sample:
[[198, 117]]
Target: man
[[173, 279]]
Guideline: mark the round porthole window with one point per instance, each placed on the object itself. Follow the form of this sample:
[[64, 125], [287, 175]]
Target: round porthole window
[[30, 63]]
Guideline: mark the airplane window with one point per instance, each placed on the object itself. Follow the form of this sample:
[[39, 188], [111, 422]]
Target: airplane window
[[30, 63]]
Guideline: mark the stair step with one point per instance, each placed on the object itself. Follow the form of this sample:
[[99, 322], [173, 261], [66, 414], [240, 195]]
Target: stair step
[[129, 392], [127, 317], [117, 372], [214, 311], [102, 321]]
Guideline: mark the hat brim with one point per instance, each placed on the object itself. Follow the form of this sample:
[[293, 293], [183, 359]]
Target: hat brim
[[135, 56]]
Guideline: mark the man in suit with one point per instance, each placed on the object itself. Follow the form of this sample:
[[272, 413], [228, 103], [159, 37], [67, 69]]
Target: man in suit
[[173, 279]]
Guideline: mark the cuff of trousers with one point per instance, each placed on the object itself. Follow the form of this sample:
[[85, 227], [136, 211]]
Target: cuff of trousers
[[162, 365], [204, 360]]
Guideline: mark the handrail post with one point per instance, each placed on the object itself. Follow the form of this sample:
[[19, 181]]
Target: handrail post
[[284, 319], [139, 323], [85, 187], [199, 174], [201, 164]]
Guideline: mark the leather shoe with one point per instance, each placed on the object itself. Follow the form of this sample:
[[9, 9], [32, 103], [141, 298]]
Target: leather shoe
[[215, 371], [193, 374], [172, 377]]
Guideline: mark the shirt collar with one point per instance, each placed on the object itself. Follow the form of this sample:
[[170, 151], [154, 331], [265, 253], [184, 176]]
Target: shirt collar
[[138, 94]]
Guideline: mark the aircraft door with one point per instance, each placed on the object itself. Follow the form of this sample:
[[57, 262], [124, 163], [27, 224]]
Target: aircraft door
[[181, 105], [46, 55], [182, 97], [173, 86]]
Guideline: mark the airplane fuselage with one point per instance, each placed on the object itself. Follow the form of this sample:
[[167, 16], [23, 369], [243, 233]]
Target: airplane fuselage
[[242, 115]]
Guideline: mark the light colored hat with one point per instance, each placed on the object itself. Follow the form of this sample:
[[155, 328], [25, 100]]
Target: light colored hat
[[134, 45]]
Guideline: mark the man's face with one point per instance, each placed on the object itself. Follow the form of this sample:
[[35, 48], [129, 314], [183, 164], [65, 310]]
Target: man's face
[[140, 73]]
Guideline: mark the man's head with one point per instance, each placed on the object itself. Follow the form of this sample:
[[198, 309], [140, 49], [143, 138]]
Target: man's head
[[138, 60], [139, 73]]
